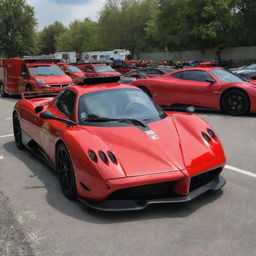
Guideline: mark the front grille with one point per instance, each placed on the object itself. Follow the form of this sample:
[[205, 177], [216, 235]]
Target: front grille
[[152, 191], [204, 178]]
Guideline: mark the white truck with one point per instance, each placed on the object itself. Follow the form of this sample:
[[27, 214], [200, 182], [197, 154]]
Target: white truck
[[104, 56], [66, 57]]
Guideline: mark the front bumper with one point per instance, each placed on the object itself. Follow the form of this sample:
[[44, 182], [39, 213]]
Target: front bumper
[[133, 205]]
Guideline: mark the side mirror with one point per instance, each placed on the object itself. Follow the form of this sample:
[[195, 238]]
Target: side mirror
[[211, 81], [190, 109], [47, 115]]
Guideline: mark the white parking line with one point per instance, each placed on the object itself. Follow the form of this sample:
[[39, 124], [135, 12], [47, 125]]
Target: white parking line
[[251, 174], [8, 118], [5, 136]]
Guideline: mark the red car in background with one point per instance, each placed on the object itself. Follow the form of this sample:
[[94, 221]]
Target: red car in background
[[18, 75], [210, 87], [74, 72], [115, 150], [98, 70]]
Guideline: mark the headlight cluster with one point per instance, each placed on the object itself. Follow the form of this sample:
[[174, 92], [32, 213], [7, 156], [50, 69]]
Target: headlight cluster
[[104, 157], [40, 81], [210, 134]]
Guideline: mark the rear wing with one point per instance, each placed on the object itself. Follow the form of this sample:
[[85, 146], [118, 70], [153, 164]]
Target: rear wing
[[43, 94], [100, 80]]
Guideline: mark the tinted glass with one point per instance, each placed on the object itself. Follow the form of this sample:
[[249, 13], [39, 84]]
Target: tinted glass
[[73, 69], [66, 103], [225, 76], [251, 66], [118, 103], [193, 75], [46, 70], [104, 69]]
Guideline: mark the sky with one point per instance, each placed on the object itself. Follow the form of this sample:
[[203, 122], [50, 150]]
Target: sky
[[48, 11]]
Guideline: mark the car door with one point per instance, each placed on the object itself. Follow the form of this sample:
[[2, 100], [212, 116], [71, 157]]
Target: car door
[[49, 130], [195, 87], [23, 79]]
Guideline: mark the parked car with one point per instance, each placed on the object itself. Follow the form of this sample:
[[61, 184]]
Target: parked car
[[210, 87], [74, 72], [115, 150], [246, 74], [18, 75], [98, 70]]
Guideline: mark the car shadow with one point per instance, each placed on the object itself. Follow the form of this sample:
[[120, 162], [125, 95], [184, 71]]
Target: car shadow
[[77, 210]]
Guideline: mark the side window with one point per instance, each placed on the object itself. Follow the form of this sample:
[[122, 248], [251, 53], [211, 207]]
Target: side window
[[193, 75], [24, 69], [178, 75], [66, 103], [89, 69]]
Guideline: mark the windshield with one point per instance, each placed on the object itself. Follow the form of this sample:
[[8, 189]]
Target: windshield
[[118, 104], [103, 69], [46, 70], [225, 76], [251, 66], [73, 69], [167, 70]]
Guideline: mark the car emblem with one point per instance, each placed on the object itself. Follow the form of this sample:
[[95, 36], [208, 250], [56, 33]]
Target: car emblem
[[152, 135]]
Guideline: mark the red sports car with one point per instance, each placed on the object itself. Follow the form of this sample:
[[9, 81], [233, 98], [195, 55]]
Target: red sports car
[[115, 150], [211, 87]]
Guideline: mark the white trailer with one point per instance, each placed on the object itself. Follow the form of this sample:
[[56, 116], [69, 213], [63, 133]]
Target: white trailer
[[67, 57], [104, 56]]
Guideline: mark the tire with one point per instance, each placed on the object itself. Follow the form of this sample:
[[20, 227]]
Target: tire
[[17, 132], [28, 88], [144, 89], [2, 92], [65, 172], [235, 102]]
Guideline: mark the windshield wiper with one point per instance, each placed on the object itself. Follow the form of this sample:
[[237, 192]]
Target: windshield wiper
[[120, 120]]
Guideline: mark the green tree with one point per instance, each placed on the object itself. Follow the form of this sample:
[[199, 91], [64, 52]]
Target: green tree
[[81, 36], [244, 20], [47, 37], [122, 24], [192, 24], [17, 28]]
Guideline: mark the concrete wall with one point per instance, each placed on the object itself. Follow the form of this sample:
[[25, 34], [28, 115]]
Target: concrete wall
[[236, 54]]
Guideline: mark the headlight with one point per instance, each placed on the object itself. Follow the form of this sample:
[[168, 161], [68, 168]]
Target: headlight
[[70, 84], [40, 81]]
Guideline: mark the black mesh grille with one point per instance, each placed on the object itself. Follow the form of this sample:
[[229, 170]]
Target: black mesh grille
[[158, 190], [203, 179]]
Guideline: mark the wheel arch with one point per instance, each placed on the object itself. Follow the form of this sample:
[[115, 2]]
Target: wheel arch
[[232, 88]]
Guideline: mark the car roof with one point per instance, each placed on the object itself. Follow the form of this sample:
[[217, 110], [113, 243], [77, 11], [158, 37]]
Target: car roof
[[41, 64], [198, 68]]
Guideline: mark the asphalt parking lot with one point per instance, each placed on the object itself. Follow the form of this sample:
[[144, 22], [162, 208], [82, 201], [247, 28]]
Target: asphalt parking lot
[[36, 219]]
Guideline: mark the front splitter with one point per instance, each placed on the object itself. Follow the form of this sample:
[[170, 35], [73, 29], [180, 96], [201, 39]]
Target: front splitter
[[135, 205]]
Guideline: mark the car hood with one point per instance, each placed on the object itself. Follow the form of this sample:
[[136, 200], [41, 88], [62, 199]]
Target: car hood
[[109, 74], [140, 154], [76, 74], [64, 79]]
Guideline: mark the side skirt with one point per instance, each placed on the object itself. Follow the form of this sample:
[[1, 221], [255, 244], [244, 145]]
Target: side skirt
[[34, 148]]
